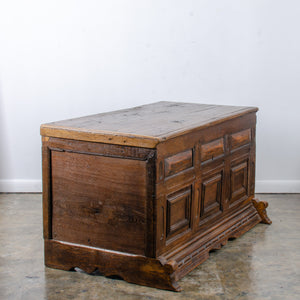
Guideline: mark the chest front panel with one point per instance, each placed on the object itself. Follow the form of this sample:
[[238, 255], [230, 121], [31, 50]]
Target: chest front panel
[[202, 178]]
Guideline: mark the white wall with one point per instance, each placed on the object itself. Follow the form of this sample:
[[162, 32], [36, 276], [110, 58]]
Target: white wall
[[62, 59]]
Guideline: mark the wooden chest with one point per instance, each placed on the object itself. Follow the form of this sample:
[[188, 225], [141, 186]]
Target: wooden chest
[[145, 193]]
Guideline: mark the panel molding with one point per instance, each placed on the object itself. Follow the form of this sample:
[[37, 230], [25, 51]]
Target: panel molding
[[212, 185], [243, 169], [178, 162], [179, 211]]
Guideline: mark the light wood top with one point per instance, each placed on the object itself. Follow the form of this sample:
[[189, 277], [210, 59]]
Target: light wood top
[[144, 126]]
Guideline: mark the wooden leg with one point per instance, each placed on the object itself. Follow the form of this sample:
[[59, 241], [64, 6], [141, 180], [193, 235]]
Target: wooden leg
[[261, 209]]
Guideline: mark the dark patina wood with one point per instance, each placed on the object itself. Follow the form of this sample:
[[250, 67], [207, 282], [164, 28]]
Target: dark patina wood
[[146, 193]]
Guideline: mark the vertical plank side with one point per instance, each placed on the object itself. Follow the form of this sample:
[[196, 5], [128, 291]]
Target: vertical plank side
[[196, 186], [151, 219], [160, 209], [160, 224], [227, 162], [46, 174]]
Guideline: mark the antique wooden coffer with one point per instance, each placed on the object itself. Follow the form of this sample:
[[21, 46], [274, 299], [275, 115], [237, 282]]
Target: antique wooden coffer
[[145, 193]]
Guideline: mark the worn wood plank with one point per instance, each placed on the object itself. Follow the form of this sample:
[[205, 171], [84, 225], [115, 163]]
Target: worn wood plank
[[99, 201], [145, 125]]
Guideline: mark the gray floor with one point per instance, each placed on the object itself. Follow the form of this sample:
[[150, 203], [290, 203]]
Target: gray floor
[[262, 264]]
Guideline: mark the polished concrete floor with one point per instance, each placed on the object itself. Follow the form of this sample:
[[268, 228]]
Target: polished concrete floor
[[262, 264]]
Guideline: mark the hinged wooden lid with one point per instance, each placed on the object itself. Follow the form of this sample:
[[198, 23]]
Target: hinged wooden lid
[[144, 126]]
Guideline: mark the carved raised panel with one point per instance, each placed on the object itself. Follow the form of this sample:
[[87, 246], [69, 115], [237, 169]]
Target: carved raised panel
[[211, 195], [212, 150], [240, 139], [178, 162], [179, 211], [239, 179]]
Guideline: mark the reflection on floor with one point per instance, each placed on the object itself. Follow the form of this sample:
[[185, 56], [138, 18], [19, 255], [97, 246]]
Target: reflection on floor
[[262, 264]]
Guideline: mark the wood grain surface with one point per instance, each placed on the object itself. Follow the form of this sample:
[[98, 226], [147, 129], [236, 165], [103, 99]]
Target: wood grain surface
[[146, 193], [98, 200], [145, 125]]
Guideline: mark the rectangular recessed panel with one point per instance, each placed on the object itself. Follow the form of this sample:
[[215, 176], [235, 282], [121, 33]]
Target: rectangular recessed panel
[[178, 162], [212, 192], [212, 149], [211, 195], [239, 180], [99, 201], [240, 138], [178, 211]]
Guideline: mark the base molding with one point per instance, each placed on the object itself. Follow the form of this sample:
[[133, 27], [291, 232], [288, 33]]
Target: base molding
[[162, 272], [197, 252], [132, 268]]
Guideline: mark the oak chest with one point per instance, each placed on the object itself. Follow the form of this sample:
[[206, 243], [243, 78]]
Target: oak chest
[[145, 193]]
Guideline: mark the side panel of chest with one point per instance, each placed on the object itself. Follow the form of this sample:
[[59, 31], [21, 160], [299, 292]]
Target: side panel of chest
[[203, 177], [99, 195]]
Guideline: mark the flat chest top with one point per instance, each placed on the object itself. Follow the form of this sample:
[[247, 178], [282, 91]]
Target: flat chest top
[[144, 126]]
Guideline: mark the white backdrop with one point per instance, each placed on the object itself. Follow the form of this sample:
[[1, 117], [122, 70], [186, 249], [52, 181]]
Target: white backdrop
[[62, 59]]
